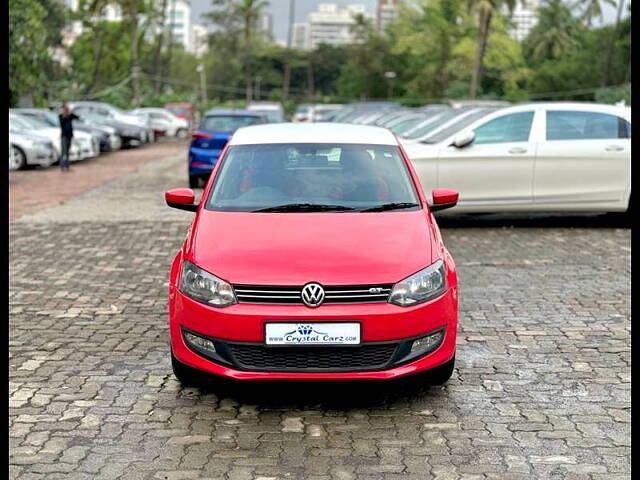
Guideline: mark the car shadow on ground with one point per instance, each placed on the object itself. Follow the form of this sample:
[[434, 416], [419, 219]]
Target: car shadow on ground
[[534, 220], [331, 395]]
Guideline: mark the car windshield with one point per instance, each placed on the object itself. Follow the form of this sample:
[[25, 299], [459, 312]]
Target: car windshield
[[431, 123], [456, 127], [51, 118], [178, 110], [33, 122], [272, 115], [302, 109], [227, 123], [312, 177]]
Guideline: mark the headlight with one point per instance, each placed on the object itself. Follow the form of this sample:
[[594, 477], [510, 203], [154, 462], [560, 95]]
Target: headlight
[[205, 287], [420, 287]]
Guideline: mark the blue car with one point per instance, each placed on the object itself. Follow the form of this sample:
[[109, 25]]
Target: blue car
[[212, 135]]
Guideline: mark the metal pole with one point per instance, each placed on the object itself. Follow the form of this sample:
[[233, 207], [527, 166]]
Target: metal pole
[[258, 79], [203, 83]]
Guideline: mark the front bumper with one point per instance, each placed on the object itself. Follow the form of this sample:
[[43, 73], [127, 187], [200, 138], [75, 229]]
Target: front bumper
[[239, 328], [40, 155]]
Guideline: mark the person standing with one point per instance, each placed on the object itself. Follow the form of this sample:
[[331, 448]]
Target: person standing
[[66, 131]]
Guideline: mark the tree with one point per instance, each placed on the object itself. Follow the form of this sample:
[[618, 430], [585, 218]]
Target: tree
[[423, 39], [593, 9], [614, 35], [240, 15], [485, 9], [363, 73], [555, 34], [27, 47], [133, 12]]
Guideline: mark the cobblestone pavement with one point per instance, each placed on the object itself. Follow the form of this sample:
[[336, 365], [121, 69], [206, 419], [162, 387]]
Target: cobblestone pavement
[[541, 388]]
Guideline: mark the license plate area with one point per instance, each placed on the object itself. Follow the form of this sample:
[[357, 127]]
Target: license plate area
[[312, 333]]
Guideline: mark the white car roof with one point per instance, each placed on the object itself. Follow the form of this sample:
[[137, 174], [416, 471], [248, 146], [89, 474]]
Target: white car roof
[[576, 106], [313, 133]]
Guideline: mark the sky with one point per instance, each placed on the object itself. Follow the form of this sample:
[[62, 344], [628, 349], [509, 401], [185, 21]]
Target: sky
[[280, 11]]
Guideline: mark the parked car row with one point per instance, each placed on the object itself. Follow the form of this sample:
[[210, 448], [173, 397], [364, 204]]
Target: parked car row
[[555, 156], [34, 133]]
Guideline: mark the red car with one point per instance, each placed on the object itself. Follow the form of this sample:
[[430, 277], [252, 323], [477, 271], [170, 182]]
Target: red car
[[313, 255], [184, 110]]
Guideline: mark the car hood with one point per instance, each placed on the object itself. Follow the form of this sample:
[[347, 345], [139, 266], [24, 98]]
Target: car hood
[[296, 248]]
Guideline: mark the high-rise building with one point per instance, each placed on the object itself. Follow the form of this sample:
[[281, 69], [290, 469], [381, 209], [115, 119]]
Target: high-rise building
[[265, 24], [199, 40], [328, 24], [177, 21], [387, 12], [300, 36], [524, 18]]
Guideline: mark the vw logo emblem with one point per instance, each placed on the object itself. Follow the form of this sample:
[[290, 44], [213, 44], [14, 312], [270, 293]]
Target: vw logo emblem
[[312, 295]]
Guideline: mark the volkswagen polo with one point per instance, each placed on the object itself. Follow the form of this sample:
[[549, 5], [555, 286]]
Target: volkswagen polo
[[313, 255]]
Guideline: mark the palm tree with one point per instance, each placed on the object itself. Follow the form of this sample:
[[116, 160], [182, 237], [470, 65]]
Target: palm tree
[[90, 11], [162, 31], [132, 11], [555, 33], [241, 15], [593, 9], [485, 9], [614, 35]]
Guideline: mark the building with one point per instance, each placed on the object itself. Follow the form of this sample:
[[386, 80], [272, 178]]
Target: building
[[524, 18], [328, 24], [265, 24], [387, 12], [300, 36], [177, 22], [199, 44]]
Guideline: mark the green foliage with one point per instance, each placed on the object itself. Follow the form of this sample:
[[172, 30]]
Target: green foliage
[[432, 48], [614, 95], [27, 48]]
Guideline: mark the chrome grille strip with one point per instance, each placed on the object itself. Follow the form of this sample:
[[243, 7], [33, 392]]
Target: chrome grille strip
[[291, 295]]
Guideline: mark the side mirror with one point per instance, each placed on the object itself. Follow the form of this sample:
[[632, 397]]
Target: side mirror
[[443, 198], [464, 139], [181, 198]]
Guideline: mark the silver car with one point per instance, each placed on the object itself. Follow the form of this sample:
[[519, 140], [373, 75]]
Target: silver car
[[29, 149]]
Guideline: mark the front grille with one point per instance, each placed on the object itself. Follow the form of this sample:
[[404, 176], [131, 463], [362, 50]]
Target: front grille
[[290, 295], [290, 359]]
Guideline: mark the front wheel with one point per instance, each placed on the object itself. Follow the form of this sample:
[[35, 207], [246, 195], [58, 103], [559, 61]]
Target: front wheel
[[181, 134], [194, 181], [441, 374], [19, 159]]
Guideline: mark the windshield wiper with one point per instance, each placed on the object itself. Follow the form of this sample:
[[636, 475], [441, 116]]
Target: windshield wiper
[[390, 206], [305, 207]]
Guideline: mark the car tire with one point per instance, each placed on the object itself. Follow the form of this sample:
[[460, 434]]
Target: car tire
[[194, 181], [19, 158], [186, 375], [440, 375], [181, 133]]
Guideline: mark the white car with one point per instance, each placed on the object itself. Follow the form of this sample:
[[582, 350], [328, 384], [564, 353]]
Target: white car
[[82, 145], [165, 122], [29, 149], [314, 113], [533, 157], [272, 110]]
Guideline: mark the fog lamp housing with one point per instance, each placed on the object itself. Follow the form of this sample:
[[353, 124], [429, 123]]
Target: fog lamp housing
[[427, 343], [199, 342]]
